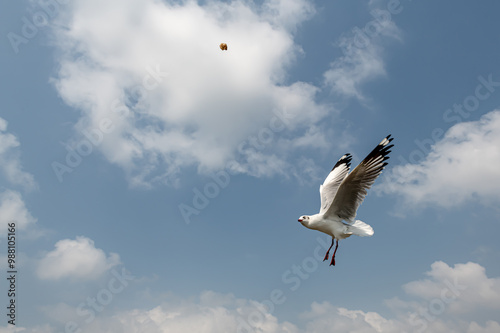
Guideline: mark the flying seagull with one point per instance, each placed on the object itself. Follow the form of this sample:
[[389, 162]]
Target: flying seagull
[[342, 193]]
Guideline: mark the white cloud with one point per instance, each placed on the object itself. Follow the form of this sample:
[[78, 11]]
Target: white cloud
[[13, 209], [450, 300], [13, 329], [466, 285], [313, 137], [324, 317], [461, 298], [462, 166], [490, 327], [210, 313], [287, 14], [363, 56], [75, 259], [10, 162], [12, 205], [173, 97]]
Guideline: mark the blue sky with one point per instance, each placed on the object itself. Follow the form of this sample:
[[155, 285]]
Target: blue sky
[[156, 180]]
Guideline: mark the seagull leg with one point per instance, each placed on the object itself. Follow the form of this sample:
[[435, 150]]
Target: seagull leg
[[333, 258], [327, 252]]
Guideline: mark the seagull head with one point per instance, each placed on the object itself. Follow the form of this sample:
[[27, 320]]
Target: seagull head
[[304, 219]]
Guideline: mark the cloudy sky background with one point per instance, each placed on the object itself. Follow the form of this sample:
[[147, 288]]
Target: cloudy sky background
[[156, 180]]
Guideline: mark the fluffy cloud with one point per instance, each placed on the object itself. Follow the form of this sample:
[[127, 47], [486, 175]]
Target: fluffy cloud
[[452, 299], [13, 329], [12, 206], [157, 94], [462, 166], [213, 313], [75, 259], [10, 163], [324, 317], [13, 209], [465, 287], [363, 55], [209, 313], [461, 298], [490, 327]]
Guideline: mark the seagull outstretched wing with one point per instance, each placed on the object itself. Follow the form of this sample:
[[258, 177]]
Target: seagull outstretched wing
[[352, 190], [332, 182]]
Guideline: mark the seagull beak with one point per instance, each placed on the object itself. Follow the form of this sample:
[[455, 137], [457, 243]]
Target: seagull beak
[[300, 220]]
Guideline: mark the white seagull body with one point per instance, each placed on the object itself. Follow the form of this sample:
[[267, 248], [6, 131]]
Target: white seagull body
[[342, 193]]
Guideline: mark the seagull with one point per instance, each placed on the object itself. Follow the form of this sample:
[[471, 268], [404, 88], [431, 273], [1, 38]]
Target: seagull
[[342, 193]]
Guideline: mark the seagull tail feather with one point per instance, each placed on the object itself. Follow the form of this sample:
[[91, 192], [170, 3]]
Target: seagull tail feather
[[360, 228]]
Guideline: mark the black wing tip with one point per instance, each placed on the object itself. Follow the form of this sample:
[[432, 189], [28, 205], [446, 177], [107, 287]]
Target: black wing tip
[[381, 150], [386, 140], [345, 159]]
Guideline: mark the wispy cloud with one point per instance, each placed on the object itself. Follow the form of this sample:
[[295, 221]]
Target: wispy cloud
[[460, 167], [13, 209], [10, 161], [363, 58], [12, 205]]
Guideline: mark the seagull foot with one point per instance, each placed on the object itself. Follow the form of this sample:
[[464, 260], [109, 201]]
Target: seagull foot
[[328, 252], [334, 252]]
